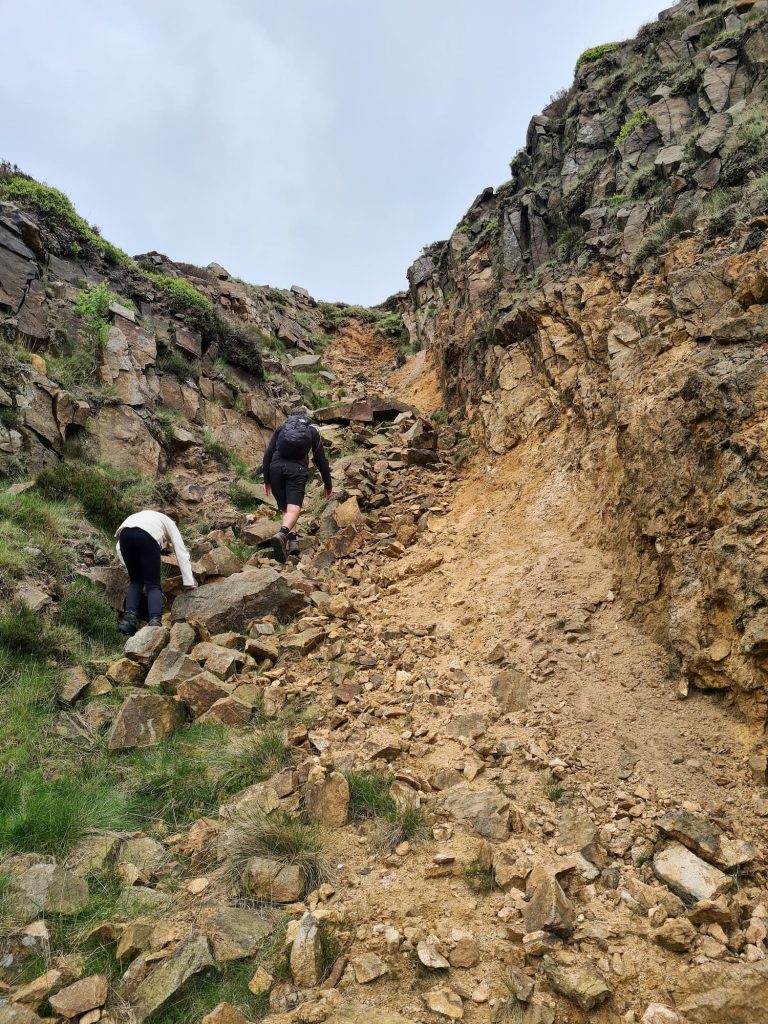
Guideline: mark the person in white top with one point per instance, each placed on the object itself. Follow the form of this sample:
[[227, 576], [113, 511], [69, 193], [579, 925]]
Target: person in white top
[[141, 539]]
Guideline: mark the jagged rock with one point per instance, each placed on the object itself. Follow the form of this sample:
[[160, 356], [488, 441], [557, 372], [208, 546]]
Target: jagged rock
[[520, 984], [381, 744], [219, 561], [261, 982], [144, 720], [125, 672], [711, 912], [87, 994], [582, 984], [510, 688], [549, 909], [446, 1002], [189, 958], [14, 1013], [368, 967], [327, 801], [688, 875], [472, 726], [368, 410], [706, 839], [170, 668], [139, 899], [487, 811], [36, 991], [721, 993], [200, 692], [135, 939], [233, 932], [657, 1013], [145, 645], [304, 642], [231, 603], [306, 956], [92, 854], [464, 951], [143, 852], [430, 955], [46, 889], [182, 637], [228, 711], [258, 647], [74, 681], [273, 880], [224, 1013], [677, 934]]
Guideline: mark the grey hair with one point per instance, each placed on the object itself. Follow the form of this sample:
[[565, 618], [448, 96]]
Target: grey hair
[[299, 410]]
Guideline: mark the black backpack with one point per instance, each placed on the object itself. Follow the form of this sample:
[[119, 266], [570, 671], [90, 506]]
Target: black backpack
[[295, 438]]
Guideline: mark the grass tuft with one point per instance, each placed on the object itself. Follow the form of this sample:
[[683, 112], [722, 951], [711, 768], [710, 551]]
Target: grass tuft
[[283, 838], [255, 757], [480, 877], [84, 608], [369, 797]]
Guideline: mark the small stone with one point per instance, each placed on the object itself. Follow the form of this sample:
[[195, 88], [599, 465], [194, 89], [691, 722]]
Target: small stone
[[73, 682], [583, 984], [465, 951], [306, 957], [446, 1002], [548, 909], [327, 801], [540, 943], [224, 1013], [657, 1013], [145, 645], [81, 997], [273, 880], [261, 982], [677, 934], [368, 967], [520, 984], [429, 954], [198, 886], [125, 672]]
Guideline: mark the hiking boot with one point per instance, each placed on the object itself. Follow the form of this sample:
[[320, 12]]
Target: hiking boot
[[279, 544], [156, 620], [293, 544], [129, 623]]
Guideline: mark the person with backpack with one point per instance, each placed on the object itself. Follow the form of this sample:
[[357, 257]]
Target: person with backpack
[[286, 468], [141, 539]]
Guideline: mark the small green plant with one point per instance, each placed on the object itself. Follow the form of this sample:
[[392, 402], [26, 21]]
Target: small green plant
[[50, 816], [216, 449], [280, 837], [78, 364], [746, 147], [244, 495], [636, 120], [479, 876], [183, 298], [570, 243], [554, 791], [175, 362], [595, 53], [369, 797], [255, 757], [656, 239], [103, 496], [25, 632], [83, 607], [9, 417]]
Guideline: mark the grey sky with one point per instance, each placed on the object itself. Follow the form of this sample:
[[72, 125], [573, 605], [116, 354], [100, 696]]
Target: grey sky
[[313, 142]]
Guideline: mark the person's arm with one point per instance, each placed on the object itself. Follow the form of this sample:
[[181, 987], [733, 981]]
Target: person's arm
[[180, 550], [267, 460], [119, 554], [320, 460]]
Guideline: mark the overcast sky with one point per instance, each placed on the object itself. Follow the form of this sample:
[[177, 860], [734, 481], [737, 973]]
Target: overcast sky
[[312, 142]]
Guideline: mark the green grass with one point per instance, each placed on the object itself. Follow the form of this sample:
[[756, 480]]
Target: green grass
[[106, 497], [255, 757], [25, 632], [216, 449], [27, 705], [554, 791], [479, 876], [279, 836], [183, 298], [369, 797], [59, 213], [175, 362], [245, 495], [206, 990], [746, 148], [179, 780], [51, 816], [83, 607], [595, 53], [637, 119], [657, 237]]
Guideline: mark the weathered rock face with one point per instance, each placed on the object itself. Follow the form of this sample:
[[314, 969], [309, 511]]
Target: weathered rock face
[[723, 993], [144, 720], [539, 317]]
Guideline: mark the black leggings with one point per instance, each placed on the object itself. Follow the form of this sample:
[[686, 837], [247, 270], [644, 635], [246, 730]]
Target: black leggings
[[141, 554]]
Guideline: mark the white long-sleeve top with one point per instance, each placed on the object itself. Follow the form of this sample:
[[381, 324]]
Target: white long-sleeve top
[[166, 533]]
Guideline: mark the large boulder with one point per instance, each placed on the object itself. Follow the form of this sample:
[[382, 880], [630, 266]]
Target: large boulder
[[189, 958], [706, 839], [688, 875], [144, 720], [46, 889], [231, 603], [487, 811], [233, 932]]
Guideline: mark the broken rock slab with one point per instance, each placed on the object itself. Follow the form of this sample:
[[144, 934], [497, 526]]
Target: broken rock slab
[[75, 1000], [487, 810], [46, 889], [233, 932], [231, 603], [355, 1013], [549, 909], [582, 984], [169, 976], [706, 839], [722, 993], [688, 875], [144, 720], [306, 957]]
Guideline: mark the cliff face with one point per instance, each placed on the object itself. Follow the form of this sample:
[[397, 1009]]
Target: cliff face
[[168, 370], [614, 289]]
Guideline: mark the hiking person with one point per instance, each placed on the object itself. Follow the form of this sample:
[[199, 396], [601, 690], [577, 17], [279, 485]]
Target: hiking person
[[286, 468], [141, 538]]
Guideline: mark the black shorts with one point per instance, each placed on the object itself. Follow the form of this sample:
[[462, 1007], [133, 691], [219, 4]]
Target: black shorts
[[288, 481]]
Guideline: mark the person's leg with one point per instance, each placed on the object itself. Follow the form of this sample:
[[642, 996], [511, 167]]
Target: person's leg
[[150, 567], [131, 553], [277, 481], [291, 517]]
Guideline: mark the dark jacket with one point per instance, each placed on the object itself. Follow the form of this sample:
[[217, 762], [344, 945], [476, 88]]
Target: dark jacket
[[318, 455]]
